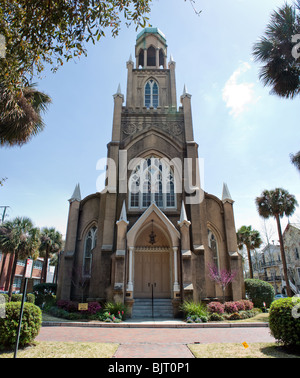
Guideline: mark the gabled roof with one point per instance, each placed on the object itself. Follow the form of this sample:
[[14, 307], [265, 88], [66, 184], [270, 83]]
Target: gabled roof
[[174, 233]]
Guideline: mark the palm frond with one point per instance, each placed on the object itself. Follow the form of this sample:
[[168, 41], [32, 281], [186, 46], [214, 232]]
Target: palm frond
[[21, 114], [295, 159], [280, 70]]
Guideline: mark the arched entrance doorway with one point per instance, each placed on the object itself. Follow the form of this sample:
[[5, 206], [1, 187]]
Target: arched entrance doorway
[[153, 256], [152, 265]]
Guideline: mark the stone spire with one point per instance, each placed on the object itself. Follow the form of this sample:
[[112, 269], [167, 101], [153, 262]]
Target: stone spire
[[185, 93], [226, 197], [76, 196], [130, 59], [123, 215], [171, 59], [119, 93], [183, 217]]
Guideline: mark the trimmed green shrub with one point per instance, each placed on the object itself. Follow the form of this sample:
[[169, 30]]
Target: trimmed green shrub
[[259, 292], [31, 324], [30, 298], [284, 324], [16, 297]]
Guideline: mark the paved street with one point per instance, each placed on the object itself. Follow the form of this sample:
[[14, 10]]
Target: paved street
[[155, 342]]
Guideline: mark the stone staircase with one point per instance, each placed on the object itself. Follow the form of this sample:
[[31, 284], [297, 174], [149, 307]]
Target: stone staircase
[[162, 308]]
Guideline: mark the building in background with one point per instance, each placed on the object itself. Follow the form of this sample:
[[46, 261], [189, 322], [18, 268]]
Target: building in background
[[291, 240], [6, 262], [268, 264]]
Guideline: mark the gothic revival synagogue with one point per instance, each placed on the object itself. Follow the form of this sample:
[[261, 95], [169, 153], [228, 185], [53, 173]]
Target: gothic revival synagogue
[[152, 232]]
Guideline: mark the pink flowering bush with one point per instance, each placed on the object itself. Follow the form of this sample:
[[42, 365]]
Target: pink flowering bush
[[247, 304], [216, 307], [240, 305], [230, 307], [72, 306], [93, 308]]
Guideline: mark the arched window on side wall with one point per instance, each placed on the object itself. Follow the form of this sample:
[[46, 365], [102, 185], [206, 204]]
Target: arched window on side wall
[[213, 244], [89, 244]]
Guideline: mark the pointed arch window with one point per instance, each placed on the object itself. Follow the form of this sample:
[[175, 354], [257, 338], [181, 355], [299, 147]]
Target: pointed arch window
[[89, 244], [161, 58], [151, 94], [141, 58], [151, 57], [213, 244], [152, 181]]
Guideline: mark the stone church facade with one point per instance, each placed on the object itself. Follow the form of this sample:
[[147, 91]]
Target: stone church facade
[[152, 230]]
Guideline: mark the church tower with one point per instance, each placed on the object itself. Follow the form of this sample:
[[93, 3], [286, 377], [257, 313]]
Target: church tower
[[152, 232]]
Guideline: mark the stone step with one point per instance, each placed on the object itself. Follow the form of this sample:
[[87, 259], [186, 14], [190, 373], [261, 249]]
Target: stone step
[[161, 308]]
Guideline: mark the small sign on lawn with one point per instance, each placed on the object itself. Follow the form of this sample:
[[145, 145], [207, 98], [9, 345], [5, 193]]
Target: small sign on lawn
[[83, 306]]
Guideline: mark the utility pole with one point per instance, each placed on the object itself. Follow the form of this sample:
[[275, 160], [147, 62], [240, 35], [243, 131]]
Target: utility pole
[[4, 212]]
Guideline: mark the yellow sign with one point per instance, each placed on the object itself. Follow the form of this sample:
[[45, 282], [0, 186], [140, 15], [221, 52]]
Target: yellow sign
[[83, 306], [245, 344]]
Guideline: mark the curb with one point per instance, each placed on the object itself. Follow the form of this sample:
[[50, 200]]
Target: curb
[[154, 325]]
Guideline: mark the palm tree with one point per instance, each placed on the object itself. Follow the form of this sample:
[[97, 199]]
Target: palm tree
[[277, 203], [281, 70], [20, 114], [20, 238], [249, 238], [295, 159], [51, 242]]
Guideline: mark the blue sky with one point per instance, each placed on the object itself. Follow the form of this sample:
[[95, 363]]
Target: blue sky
[[245, 135]]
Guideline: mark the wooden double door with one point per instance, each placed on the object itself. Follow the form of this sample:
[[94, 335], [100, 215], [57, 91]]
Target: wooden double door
[[152, 272]]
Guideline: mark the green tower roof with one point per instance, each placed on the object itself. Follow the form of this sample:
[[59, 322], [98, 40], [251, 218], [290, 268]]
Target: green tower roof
[[151, 31]]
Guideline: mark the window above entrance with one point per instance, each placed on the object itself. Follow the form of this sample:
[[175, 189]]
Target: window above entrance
[[152, 180]]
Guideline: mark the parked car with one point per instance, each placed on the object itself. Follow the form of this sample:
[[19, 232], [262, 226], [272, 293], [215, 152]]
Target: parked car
[[279, 296]]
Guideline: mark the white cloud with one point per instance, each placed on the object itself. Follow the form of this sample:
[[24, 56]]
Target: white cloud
[[238, 96]]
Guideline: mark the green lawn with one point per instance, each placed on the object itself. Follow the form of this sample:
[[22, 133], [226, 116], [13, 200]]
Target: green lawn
[[47, 349], [261, 317], [233, 350]]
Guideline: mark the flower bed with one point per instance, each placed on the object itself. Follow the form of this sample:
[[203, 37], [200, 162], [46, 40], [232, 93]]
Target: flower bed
[[217, 311], [111, 312], [233, 310]]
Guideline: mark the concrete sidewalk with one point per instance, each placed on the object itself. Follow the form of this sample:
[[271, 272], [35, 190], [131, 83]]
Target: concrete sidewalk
[[155, 323]]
